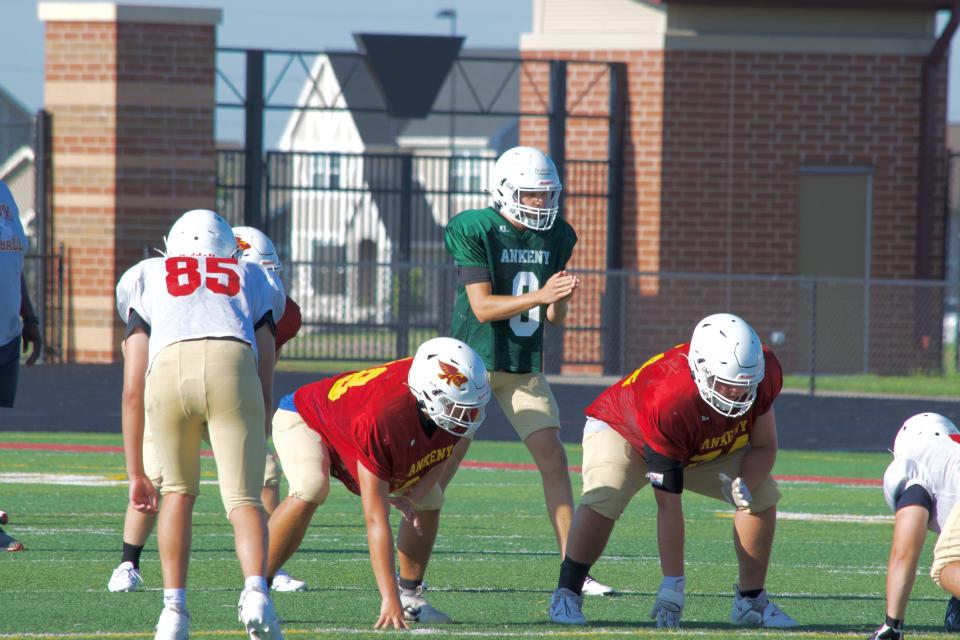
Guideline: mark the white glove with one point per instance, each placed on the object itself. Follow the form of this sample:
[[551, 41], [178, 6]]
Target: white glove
[[735, 491], [668, 607]]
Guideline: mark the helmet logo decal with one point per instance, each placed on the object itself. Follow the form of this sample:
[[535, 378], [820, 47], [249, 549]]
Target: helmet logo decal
[[451, 375], [243, 244]]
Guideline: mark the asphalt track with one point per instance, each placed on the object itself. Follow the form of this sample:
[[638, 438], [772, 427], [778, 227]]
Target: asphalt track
[[86, 398]]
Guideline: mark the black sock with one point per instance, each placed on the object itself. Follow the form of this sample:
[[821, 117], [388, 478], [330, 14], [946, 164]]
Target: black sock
[[572, 575], [753, 593], [131, 553], [409, 586], [893, 623]]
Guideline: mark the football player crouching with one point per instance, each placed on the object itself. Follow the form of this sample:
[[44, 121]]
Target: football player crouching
[[698, 417], [386, 433], [922, 486]]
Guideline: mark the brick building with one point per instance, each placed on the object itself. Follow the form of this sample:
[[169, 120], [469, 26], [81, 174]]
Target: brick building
[[131, 93], [773, 137], [777, 137]]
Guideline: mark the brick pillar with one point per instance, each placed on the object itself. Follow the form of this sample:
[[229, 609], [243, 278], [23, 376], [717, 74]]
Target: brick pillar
[[131, 92]]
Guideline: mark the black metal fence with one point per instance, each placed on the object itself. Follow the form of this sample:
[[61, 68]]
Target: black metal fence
[[44, 275], [361, 236]]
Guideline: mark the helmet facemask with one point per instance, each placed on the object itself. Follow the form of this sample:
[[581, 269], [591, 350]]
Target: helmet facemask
[[536, 218], [724, 399], [458, 418]]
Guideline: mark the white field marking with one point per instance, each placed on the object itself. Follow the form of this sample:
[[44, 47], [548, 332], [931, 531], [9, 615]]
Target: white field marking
[[813, 485], [821, 517], [77, 480]]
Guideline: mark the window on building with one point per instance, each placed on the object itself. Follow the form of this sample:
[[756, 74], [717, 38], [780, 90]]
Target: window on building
[[466, 175], [326, 171], [329, 268]]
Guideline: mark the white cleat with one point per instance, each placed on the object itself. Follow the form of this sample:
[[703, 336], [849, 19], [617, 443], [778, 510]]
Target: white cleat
[[258, 616], [566, 607], [283, 581], [125, 578], [593, 588], [417, 609], [174, 624], [759, 612]]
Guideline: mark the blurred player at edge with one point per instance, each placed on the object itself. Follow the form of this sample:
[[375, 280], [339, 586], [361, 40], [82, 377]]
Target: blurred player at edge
[[203, 323], [18, 321], [922, 486]]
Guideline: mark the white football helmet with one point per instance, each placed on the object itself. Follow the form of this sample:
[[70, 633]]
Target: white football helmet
[[449, 380], [727, 363], [895, 479], [201, 232], [520, 171], [920, 431], [255, 246]]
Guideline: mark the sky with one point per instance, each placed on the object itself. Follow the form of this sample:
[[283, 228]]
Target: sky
[[306, 25], [277, 24]]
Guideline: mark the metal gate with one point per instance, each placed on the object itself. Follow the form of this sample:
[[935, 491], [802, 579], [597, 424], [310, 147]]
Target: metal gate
[[361, 234]]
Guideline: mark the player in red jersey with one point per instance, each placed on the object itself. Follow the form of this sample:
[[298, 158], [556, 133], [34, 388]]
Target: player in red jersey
[[386, 433], [690, 418]]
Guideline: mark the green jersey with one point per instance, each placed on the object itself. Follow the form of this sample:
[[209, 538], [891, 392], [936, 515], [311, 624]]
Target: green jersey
[[517, 262]]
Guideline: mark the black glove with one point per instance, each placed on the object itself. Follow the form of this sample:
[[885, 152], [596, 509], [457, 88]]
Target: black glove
[[887, 633]]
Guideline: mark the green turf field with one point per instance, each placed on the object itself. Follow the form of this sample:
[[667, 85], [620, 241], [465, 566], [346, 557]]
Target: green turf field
[[493, 569]]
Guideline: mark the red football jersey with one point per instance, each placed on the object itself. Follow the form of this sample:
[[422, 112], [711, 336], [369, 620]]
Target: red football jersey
[[371, 417], [659, 405], [289, 324]]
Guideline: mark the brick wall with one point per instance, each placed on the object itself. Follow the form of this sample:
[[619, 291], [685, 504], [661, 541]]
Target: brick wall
[[133, 107], [714, 145]]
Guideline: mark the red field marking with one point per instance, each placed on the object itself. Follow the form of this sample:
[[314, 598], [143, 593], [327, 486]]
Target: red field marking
[[468, 464]]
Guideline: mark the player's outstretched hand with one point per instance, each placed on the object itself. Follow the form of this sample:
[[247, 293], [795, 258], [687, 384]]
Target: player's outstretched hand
[[405, 507], [735, 491], [143, 495], [887, 633], [559, 286], [391, 616], [667, 608]]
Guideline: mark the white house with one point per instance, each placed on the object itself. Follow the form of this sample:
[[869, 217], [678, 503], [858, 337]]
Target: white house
[[350, 207]]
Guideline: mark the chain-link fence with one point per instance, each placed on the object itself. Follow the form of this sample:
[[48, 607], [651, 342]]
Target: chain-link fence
[[817, 326]]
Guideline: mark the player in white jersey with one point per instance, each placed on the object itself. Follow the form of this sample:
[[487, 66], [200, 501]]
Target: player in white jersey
[[922, 485], [254, 246], [201, 328]]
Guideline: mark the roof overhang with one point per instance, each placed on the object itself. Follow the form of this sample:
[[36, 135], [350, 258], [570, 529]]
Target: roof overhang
[[914, 5]]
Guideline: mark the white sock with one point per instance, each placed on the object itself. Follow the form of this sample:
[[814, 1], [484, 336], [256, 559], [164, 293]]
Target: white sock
[[257, 583], [175, 598]]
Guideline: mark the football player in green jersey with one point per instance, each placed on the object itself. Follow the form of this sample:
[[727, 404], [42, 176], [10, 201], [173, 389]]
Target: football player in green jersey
[[511, 259]]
